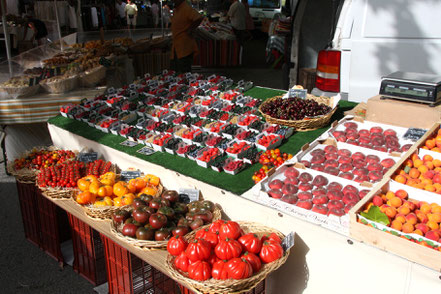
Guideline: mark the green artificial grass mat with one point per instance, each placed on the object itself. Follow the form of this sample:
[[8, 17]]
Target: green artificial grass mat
[[236, 184]]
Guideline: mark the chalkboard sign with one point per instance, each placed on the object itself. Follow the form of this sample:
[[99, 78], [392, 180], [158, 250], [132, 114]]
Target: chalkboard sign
[[288, 242], [127, 175], [300, 93], [193, 194], [88, 156], [414, 134]]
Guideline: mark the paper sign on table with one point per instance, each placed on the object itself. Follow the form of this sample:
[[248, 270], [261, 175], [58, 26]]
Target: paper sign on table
[[193, 194], [146, 151], [129, 143]]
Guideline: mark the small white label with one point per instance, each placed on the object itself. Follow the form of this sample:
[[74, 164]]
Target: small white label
[[288, 242], [146, 150], [129, 143]]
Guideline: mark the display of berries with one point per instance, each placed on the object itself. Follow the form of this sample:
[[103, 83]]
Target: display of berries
[[294, 108]]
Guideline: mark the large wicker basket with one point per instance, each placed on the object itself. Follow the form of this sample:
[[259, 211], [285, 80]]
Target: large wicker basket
[[305, 124], [106, 212], [217, 214], [93, 77], [57, 193], [229, 286], [60, 86], [20, 92]]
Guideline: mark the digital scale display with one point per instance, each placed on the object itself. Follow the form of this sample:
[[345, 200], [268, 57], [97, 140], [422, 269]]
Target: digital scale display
[[416, 87]]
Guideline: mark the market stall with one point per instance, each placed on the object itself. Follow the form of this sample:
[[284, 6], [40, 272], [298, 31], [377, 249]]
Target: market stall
[[324, 254]]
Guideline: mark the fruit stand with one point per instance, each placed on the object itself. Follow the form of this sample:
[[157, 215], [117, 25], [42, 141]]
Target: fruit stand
[[357, 180]]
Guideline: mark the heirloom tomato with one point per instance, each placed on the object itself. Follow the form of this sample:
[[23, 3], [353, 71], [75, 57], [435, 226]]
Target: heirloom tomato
[[227, 249], [239, 268], [198, 249], [253, 260], [176, 245], [208, 236], [199, 270], [215, 226], [182, 262], [251, 243], [270, 251], [220, 270], [230, 230], [272, 237]]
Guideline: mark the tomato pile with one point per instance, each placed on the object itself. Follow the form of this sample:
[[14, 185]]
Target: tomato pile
[[43, 158], [67, 174], [159, 218], [222, 251], [268, 160]]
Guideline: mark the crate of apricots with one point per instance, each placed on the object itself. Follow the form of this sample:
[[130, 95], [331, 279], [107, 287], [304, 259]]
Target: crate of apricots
[[400, 219], [101, 196]]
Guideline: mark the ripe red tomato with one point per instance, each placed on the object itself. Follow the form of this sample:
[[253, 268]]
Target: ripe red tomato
[[182, 262], [227, 249], [215, 226], [198, 249], [219, 270], [176, 245], [199, 270], [205, 234], [273, 237], [270, 251], [230, 230], [251, 243], [239, 268], [253, 260]]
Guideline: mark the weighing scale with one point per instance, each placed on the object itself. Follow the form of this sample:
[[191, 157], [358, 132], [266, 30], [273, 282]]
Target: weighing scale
[[410, 86]]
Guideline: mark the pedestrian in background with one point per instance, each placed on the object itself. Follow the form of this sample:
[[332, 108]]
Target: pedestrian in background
[[183, 23], [120, 7], [155, 13], [237, 16], [131, 11], [166, 15]]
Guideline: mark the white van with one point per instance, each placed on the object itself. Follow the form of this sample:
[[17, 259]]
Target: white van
[[260, 9], [373, 38]]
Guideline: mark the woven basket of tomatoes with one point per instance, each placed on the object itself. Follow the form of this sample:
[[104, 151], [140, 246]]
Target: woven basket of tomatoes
[[226, 256], [150, 221], [61, 181], [26, 167], [101, 197]]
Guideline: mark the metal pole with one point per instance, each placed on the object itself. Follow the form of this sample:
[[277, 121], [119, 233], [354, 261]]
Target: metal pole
[[6, 33], [58, 25]]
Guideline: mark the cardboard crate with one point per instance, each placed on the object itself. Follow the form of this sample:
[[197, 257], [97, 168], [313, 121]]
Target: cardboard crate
[[127, 273], [88, 250]]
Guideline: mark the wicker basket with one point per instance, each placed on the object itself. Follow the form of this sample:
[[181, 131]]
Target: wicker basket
[[305, 124], [217, 214], [60, 86], [106, 212], [229, 286], [20, 92], [93, 77], [57, 193]]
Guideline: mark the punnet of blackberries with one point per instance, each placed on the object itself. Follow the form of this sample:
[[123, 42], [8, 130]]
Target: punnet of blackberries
[[294, 108]]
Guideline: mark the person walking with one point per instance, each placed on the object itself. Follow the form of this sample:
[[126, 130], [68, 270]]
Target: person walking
[[155, 13], [120, 7], [237, 16], [166, 15], [131, 12], [183, 23]]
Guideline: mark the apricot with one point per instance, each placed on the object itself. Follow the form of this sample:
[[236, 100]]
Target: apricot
[[390, 195], [411, 218], [432, 235], [432, 225], [407, 228], [408, 163], [436, 217], [430, 143], [422, 227], [436, 162], [429, 165], [397, 225], [401, 193], [401, 218], [423, 169], [425, 208], [417, 163], [400, 179], [436, 149], [422, 217], [410, 205], [390, 211], [437, 178], [418, 232], [395, 202], [403, 210], [414, 157], [414, 173], [435, 208]]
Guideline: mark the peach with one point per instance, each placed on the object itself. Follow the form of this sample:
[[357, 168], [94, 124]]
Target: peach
[[401, 218], [390, 212], [331, 156], [322, 199], [427, 157], [289, 189], [410, 205], [437, 178], [403, 210], [401, 193], [290, 198], [377, 200], [429, 174], [304, 196], [418, 232], [305, 177], [432, 225], [432, 235], [305, 204], [397, 225], [274, 193], [322, 209], [337, 211], [383, 208], [407, 228], [335, 186], [411, 218], [335, 204], [422, 217], [291, 172], [395, 202], [423, 228], [276, 184]]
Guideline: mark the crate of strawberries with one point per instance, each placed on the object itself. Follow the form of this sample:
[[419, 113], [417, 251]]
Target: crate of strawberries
[[225, 256]]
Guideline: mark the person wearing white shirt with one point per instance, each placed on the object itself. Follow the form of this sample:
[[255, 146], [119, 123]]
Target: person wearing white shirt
[[131, 11], [155, 13], [120, 8], [237, 15]]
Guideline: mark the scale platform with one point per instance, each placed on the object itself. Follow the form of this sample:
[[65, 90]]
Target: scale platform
[[410, 86]]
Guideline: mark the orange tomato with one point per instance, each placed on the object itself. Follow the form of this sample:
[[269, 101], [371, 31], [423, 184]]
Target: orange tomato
[[83, 184], [138, 183], [127, 198], [149, 190], [94, 187], [86, 197], [108, 179], [152, 180], [120, 188], [117, 202], [105, 191]]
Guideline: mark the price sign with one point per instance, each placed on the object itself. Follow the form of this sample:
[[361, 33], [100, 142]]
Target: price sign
[[193, 194], [414, 134], [129, 143], [300, 93], [127, 175], [146, 151], [288, 242], [88, 157]]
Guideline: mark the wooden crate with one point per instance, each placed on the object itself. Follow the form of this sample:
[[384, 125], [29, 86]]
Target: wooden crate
[[307, 78]]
